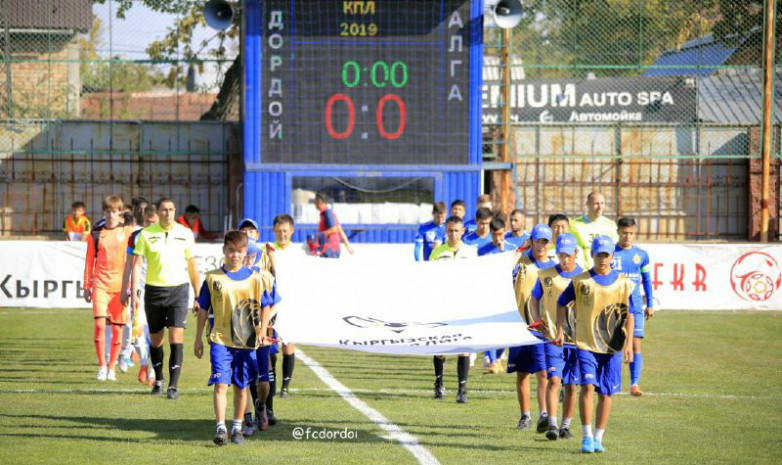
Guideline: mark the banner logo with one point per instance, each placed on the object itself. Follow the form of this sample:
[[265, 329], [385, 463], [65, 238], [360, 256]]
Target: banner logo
[[368, 322], [755, 276]]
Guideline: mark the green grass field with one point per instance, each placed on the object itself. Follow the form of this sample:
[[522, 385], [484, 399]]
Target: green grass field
[[713, 384]]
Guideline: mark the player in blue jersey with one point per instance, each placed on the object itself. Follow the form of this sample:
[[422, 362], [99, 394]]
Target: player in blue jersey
[[603, 326], [241, 302], [529, 359], [561, 362], [498, 244], [430, 234], [633, 262], [516, 236], [482, 234], [484, 201]]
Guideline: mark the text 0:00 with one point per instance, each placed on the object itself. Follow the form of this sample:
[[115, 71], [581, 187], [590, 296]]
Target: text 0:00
[[381, 128], [380, 74]]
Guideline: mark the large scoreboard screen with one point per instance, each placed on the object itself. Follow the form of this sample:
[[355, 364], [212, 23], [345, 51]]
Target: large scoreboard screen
[[366, 82]]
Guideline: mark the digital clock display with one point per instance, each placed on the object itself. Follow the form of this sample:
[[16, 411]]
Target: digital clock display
[[366, 82]]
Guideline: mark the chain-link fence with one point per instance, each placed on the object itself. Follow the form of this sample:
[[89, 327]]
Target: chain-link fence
[[656, 103], [102, 97]]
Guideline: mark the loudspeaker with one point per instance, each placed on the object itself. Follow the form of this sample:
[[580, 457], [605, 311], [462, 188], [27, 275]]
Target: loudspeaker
[[507, 13], [218, 14]]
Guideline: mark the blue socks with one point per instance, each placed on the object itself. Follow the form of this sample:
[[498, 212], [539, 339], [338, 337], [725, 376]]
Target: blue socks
[[635, 368]]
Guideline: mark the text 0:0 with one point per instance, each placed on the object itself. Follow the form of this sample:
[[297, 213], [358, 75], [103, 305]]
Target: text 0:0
[[381, 127]]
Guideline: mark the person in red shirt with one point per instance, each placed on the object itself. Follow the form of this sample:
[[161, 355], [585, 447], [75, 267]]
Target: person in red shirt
[[103, 267], [330, 232], [192, 219]]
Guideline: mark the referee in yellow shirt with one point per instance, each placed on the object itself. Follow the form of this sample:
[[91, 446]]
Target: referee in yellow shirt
[[168, 249]]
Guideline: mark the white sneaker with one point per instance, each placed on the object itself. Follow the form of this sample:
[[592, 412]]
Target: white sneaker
[[111, 376], [123, 365], [102, 373]]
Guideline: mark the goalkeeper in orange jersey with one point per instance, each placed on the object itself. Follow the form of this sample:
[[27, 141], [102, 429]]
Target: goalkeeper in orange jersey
[[103, 267]]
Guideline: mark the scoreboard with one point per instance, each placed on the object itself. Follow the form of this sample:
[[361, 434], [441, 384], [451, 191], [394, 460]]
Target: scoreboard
[[366, 82]]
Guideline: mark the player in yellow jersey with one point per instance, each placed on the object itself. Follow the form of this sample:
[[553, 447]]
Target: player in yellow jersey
[[525, 360], [240, 301], [561, 362], [592, 224], [453, 249], [168, 249], [601, 299]]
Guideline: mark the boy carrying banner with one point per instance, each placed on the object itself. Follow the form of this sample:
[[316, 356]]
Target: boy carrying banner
[[603, 332], [240, 301]]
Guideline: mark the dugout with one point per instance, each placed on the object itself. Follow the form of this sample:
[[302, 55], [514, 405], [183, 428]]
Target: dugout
[[377, 106]]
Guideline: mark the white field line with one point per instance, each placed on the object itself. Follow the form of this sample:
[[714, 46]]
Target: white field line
[[395, 433]]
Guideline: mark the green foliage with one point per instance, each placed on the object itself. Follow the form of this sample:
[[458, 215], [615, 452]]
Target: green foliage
[[711, 397]]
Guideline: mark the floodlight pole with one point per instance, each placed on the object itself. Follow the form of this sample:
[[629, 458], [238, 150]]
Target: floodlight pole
[[767, 124]]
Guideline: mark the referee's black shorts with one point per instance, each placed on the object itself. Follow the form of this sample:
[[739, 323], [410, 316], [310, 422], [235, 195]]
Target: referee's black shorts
[[166, 307]]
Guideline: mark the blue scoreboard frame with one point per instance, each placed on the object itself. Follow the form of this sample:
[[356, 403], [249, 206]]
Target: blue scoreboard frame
[[360, 89]]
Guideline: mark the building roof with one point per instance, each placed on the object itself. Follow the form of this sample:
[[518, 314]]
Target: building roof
[[50, 14], [736, 96]]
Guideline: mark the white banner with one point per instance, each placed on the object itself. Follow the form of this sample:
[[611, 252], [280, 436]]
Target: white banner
[[686, 276], [445, 307], [716, 277]]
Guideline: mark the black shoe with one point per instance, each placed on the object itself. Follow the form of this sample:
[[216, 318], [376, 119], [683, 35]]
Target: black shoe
[[157, 389], [221, 437], [553, 433], [284, 393], [271, 417], [542, 424], [172, 393], [461, 397], [525, 423], [564, 433], [439, 391], [237, 437]]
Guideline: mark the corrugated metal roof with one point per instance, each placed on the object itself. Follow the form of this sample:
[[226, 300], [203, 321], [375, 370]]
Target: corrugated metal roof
[[736, 96], [50, 14]]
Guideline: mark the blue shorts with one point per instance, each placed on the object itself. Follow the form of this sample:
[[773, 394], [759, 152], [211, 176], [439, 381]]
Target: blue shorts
[[639, 321], [562, 362], [230, 366], [262, 367], [527, 359], [604, 371]]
